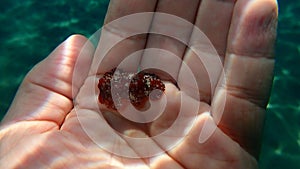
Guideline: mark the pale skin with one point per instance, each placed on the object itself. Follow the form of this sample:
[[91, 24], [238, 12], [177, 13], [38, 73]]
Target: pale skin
[[41, 128]]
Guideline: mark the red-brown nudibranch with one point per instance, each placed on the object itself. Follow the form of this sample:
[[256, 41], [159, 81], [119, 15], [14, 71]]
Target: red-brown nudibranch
[[133, 86]]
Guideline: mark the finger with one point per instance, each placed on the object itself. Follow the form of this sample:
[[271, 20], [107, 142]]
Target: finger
[[167, 32], [213, 19], [249, 63], [122, 34], [46, 92]]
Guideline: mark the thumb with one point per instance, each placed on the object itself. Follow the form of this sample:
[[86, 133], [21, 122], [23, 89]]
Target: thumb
[[47, 91]]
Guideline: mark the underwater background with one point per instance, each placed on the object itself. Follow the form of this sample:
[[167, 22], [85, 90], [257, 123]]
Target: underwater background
[[31, 29]]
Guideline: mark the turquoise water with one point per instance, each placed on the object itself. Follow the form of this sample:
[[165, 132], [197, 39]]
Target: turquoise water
[[31, 29]]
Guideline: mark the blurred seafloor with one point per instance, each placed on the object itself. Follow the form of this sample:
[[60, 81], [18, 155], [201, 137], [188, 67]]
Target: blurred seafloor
[[31, 29]]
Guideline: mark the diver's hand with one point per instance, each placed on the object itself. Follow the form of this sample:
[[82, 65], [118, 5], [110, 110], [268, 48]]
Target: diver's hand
[[31, 133], [41, 129]]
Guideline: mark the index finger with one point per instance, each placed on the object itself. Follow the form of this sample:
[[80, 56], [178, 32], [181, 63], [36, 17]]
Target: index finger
[[248, 67]]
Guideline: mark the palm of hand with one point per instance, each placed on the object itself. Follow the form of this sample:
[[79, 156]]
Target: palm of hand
[[43, 110]]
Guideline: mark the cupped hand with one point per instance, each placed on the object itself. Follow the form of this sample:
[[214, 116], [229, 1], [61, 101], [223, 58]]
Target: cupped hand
[[54, 121]]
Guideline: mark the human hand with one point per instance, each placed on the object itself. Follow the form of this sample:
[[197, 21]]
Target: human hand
[[43, 128]]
